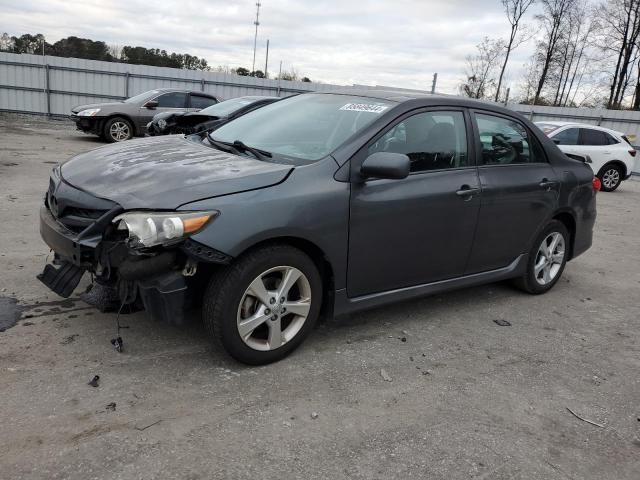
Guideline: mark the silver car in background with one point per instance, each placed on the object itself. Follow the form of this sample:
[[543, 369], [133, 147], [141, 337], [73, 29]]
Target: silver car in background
[[119, 121]]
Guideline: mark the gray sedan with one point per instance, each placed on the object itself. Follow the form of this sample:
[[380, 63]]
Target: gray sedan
[[322, 202], [118, 121]]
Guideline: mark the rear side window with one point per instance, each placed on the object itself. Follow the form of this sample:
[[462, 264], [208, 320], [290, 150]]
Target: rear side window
[[200, 102], [591, 137], [506, 142], [172, 100], [611, 139], [431, 140], [567, 137]]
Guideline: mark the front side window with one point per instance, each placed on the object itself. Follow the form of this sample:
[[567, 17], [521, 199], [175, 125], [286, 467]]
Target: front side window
[[141, 97], [591, 137], [567, 137], [198, 101], [304, 128], [431, 140], [172, 100], [506, 142]]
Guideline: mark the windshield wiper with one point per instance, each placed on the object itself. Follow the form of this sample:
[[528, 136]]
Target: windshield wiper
[[224, 146], [259, 154], [237, 147]]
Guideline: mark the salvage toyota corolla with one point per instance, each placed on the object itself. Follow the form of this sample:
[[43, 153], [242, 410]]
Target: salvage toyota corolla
[[323, 202]]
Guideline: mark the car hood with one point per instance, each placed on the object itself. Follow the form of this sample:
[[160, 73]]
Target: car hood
[[166, 172], [79, 108]]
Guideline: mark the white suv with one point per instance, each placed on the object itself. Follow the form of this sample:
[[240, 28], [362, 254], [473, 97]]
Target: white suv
[[609, 153]]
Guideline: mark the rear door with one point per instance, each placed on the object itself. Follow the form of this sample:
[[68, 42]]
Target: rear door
[[599, 145], [198, 102], [519, 191], [419, 229]]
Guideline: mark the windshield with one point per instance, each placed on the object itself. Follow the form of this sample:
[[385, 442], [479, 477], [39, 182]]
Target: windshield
[[141, 96], [226, 108], [305, 127]]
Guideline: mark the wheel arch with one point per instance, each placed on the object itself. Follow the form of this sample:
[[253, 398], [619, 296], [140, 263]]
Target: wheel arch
[[317, 255], [567, 218], [120, 115], [618, 163]]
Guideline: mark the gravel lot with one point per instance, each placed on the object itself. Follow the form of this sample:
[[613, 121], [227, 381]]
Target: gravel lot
[[463, 397]]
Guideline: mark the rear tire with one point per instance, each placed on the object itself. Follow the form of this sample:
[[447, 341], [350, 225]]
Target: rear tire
[[547, 259], [611, 177], [260, 308], [117, 129]]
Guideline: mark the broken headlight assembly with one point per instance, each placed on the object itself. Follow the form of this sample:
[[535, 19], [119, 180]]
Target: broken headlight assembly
[[149, 229]]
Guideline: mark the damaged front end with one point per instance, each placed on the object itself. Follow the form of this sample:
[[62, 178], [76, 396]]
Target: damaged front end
[[146, 257]]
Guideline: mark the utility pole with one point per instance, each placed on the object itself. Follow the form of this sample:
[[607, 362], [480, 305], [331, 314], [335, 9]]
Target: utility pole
[[433, 85], [255, 38], [266, 61], [279, 77]]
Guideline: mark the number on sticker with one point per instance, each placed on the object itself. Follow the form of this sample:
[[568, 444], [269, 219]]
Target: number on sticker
[[364, 107]]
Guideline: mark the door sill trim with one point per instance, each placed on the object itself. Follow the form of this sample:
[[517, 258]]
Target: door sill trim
[[345, 305]]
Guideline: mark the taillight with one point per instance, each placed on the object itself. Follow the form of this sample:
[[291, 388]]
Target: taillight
[[597, 184], [632, 153]]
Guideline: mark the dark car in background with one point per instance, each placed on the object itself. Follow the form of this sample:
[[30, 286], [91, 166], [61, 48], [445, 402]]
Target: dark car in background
[[119, 121], [207, 119], [333, 202]]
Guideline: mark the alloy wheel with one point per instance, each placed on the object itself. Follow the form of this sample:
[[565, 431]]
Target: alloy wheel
[[611, 178], [550, 258], [274, 308], [119, 131]]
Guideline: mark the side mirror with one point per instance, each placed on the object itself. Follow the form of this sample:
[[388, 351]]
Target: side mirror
[[151, 104], [393, 166], [556, 141]]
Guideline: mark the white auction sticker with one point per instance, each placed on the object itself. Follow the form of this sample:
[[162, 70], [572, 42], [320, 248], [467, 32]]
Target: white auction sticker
[[364, 107]]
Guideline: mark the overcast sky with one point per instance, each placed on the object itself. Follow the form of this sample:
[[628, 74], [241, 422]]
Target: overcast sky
[[397, 43]]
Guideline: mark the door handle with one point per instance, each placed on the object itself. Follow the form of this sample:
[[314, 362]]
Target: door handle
[[467, 191], [547, 185]]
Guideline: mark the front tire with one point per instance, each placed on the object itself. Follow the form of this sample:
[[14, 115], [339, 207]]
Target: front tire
[[260, 308], [547, 259], [117, 129], [610, 177]]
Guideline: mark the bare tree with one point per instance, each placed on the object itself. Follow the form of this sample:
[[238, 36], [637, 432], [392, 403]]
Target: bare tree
[[553, 21], [481, 68], [619, 36], [115, 51], [514, 10]]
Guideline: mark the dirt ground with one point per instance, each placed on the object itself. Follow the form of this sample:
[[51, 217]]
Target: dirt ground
[[463, 398]]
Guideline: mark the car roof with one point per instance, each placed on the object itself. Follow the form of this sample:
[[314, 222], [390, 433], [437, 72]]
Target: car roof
[[197, 92], [424, 99], [579, 125]]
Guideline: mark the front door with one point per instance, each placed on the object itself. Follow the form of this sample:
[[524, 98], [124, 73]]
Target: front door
[[419, 229], [519, 191], [167, 102]]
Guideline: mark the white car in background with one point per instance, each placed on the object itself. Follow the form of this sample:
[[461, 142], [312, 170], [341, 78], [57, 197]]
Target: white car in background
[[609, 153]]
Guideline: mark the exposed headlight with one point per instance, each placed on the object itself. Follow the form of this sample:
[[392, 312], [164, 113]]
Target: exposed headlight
[[162, 124], [89, 112], [150, 228]]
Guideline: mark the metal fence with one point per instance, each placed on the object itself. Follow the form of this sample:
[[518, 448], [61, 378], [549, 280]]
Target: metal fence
[[53, 85], [626, 121]]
